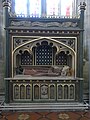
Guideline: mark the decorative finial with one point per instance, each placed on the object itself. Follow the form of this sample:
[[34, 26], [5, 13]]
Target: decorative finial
[[82, 5], [6, 3]]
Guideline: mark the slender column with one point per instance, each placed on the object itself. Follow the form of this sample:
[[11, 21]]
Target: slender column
[[87, 42], [88, 38], [6, 9], [80, 49]]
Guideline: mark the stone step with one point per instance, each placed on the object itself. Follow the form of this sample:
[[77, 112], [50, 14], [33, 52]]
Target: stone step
[[44, 106]]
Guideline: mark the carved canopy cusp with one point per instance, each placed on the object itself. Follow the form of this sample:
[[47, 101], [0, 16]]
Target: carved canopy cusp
[[46, 42]]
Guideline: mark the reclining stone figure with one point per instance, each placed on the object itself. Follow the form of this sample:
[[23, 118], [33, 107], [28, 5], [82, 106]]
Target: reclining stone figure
[[52, 71]]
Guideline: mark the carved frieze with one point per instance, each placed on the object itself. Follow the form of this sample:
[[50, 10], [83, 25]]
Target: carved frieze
[[42, 24]]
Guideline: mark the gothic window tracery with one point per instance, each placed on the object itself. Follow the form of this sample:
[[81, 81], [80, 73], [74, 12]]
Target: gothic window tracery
[[61, 58], [26, 58], [22, 9], [44, 55], [44, 7], [35, 8]]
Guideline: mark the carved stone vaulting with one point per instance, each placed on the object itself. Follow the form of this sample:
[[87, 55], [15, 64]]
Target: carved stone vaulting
[[44, 58]]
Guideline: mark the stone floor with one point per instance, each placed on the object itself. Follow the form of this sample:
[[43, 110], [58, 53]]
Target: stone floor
[[80, 115]]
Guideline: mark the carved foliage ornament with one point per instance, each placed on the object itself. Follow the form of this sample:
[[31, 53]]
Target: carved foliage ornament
[[41, 24]]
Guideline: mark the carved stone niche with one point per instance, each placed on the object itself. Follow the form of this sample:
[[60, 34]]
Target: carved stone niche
[[44, 58]]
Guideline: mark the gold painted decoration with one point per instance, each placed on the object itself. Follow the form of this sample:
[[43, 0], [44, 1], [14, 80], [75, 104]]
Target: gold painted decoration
[[29, 42], [63, 116], [24, 116]]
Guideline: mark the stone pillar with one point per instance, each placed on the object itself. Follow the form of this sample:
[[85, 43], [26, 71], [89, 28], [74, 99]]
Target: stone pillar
[[86, 46], [80, 48], [87, 42], [1, 50], [6, 10]]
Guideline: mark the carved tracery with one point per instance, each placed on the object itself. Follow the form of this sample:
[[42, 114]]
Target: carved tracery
[[45, 53]]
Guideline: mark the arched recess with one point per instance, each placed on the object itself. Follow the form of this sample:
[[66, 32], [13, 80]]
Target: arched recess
[[44, 51], [16, 92], [22, 92], [28, 92], [36, 92]]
